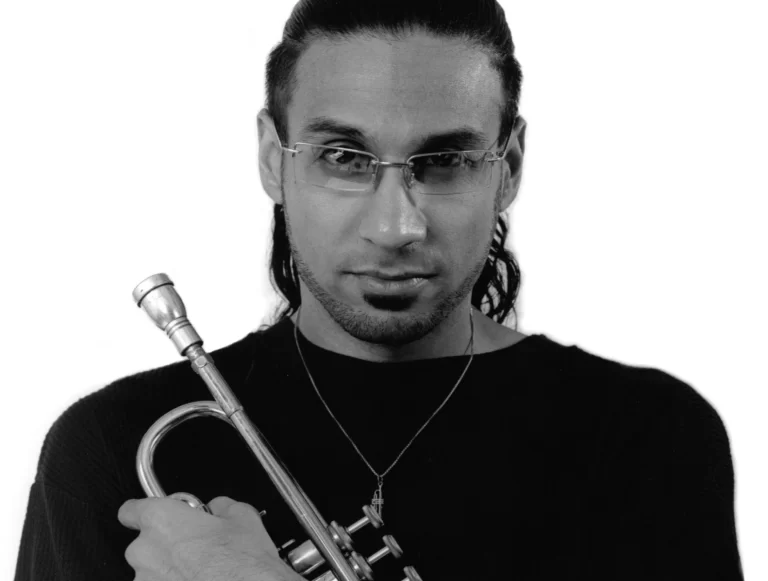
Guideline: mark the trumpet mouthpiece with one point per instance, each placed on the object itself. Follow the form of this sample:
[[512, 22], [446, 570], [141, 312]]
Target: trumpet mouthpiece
[[149, 284], [158, 298]]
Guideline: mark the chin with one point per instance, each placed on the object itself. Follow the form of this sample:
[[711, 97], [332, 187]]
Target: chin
[[386, 320]]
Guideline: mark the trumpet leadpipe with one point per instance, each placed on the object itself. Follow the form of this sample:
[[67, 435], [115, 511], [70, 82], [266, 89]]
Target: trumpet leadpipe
[[157, 296]]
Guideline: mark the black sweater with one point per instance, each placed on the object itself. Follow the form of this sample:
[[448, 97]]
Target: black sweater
[[547, 463]]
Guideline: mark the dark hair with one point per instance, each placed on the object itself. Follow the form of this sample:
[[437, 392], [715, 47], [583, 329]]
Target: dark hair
[[481, 23]]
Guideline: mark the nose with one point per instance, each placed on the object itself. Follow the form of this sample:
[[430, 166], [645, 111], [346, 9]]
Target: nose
[[392, 219]]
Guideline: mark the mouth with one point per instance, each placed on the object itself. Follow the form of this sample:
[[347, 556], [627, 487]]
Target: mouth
[[394, 275], [400, 285]]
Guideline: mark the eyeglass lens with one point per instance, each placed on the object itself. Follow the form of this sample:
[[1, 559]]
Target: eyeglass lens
[[354, 171]]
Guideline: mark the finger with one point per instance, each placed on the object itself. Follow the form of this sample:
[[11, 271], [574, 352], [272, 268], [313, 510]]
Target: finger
[[144, 557], [248, 518], [220, 505], [227, 508], [128, 514], [142, 513], [243, 511], [157, 515]]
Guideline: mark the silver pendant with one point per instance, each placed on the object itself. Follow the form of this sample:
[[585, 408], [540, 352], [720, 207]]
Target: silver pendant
[[378, 498]]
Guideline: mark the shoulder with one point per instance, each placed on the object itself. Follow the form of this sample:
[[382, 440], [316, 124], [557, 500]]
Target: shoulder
[[622, 414], [568, 375], [641, 398], [178, 380], [108, 423]]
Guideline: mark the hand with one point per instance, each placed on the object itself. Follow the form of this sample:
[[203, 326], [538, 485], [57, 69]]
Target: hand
[[179, 543]]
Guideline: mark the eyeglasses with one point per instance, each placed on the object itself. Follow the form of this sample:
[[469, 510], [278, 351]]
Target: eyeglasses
[[343, 169]]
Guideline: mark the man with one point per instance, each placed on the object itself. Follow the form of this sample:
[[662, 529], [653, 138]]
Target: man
[[391, 145]]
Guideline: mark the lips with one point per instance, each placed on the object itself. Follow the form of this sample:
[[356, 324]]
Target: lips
[[380, 285], [394, 276]]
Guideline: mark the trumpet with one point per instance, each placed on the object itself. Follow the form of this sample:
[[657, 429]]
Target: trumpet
[[329, 544]]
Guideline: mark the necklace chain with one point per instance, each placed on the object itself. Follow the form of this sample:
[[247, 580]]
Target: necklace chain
[[378, 500]]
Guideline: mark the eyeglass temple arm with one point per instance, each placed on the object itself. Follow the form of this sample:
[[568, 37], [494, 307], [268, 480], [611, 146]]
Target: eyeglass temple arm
[[503, 152]]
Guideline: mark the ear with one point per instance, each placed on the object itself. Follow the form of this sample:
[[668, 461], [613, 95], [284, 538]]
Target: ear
[[513, 168], [270, 157]]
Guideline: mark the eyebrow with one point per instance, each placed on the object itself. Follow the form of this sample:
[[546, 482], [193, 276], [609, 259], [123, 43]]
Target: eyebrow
[[463, 138]]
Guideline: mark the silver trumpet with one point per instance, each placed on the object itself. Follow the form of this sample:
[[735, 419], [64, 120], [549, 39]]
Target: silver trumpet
[[329, 544]]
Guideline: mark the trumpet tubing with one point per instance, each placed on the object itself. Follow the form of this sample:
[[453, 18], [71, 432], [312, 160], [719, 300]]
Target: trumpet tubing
[[329, 544]]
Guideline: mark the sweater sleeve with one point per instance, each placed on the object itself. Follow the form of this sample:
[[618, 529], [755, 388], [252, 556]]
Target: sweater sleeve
[[665, 502], [66, 539], [71, 531]]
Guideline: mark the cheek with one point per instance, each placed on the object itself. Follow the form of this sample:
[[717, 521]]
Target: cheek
[[472, 224], [317, 225], [475, 239]]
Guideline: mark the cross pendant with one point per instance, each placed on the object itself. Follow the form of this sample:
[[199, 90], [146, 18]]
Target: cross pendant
[[378, 498]]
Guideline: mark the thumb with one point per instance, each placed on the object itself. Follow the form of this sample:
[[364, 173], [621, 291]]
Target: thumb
[[248, 517], [220, 505], [224, 506]]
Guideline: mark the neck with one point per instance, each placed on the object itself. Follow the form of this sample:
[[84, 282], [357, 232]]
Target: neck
[[451, 337]]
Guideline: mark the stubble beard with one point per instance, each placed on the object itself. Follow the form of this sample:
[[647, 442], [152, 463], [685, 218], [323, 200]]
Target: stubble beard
[[383, 327]]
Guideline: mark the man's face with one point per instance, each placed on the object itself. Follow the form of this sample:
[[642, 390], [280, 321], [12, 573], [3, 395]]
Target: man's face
[[397, 94]]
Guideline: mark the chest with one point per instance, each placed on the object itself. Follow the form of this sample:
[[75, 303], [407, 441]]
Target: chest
[[471, 486]]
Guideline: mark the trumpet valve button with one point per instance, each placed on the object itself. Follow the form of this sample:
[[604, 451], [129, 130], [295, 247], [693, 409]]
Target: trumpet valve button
[[340, 535], [411, 574], [393, 546], [361, 566], [390, 548], [373, 517]]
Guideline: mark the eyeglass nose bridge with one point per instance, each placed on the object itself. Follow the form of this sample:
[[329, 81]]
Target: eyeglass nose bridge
[[407, 169]]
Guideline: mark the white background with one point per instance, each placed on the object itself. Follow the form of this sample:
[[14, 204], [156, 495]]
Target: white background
[[127, 147]]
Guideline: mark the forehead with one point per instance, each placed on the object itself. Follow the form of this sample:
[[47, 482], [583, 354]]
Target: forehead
[[397, 91]]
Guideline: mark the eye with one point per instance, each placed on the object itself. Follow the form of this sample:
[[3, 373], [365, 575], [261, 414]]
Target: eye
[[448, 159], [339, 161], [338, 156]]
